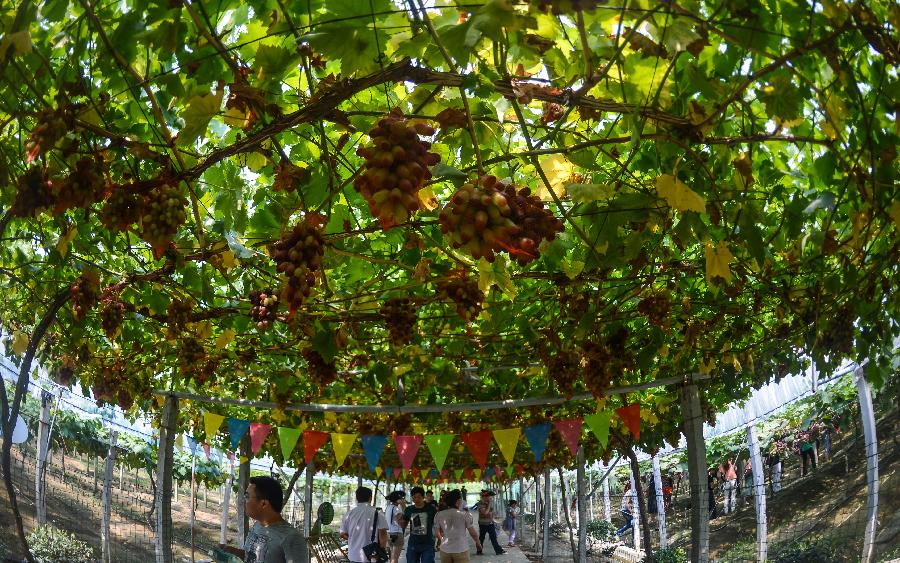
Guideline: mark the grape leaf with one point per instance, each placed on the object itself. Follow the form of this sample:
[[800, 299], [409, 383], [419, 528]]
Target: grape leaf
[[718, 260], [678, 195], [197, 115]]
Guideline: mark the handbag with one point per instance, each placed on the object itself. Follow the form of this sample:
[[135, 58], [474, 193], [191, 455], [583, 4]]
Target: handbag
[[373, 551]]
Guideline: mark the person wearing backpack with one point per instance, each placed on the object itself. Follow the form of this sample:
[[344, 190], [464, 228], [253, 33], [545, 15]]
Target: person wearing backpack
[[363, 526]]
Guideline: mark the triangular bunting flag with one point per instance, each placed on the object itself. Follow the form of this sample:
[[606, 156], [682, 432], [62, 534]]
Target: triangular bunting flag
[[288, 438], [258, 434], [192, 445], [631, 416], [397, 472], [379, 471], [179, 441], [507, 441], [342, 443], [477, 473], [479, 444], [509, 469], [599, 425], [312, 441], [206, 451], [439, 446], [237, 429], [407, 446], [570, 430], [537, 438], [489, 472], [373, 446], [458, 473], [211, 423]]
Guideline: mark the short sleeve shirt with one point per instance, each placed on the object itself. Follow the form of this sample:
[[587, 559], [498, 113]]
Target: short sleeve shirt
[[454, 526], [278, 543], [421, 524], [358, 524]]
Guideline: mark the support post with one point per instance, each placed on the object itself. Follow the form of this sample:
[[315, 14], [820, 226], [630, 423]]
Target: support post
[[308, 498], [759, 494], [606, 515], [106, 555], [660, 503], [582, 508], [226, 502], [591, 489], [243, 522], [548, 497], [696, 447], [538, 512], [193, 502], [43, 446], [636, 512], [167, 429], [868, 419]]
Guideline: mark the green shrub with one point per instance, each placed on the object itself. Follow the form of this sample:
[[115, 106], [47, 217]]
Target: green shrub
[[807, 551], [601, 530], [666, 555], [52, 545]]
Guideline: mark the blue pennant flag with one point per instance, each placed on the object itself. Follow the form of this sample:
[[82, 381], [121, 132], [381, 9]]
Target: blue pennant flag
[[373, 446], [237, 429], [192, 445], [537, 438]]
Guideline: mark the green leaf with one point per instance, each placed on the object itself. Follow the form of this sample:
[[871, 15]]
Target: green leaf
[[359, 50], [323, 341], [495, 273], [782, 98], [825, 200], [270, 65], [586, 193], [200, 110], [264, 223]]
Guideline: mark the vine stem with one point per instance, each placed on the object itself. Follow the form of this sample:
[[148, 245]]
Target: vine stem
[[584, 47], [462, 90]]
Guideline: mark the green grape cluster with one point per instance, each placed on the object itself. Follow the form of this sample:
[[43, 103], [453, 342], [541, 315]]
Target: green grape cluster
[[85, 294], [191, 356], [264, 306], [164, 211], [465, 293], [298, 256], [121, 209], [396, 168], [178, 315], [399, 314]]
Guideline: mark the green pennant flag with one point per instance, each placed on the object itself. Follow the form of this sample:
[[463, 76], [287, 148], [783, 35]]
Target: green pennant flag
[[439, 446], [599, 425], [288, 438], [458, 473]]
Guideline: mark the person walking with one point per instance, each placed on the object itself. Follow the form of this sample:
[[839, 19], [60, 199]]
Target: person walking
[[452, 526], [773, 460], [509, 523], [486, 524], [807, 453], [728, 475], [625, 509], [271, 539], [419, 516], [357, 525], [396, 506]]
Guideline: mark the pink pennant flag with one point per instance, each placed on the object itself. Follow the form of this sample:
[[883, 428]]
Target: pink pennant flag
[[407, 447], [258, 433], [206, 449], [570, 430], [397, 472]]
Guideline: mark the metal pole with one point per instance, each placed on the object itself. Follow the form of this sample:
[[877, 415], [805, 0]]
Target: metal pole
[[226, 501], [759, 494], [696, 447], [582, 517], [538, 511], [868, 420], [106, 556], [308, 498], [606, 514], [660, 503], [636, 512], [42, 448], [548, 496], [167, 429]]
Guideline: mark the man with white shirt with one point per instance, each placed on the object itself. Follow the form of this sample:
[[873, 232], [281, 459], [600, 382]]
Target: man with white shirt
[[357, 525]]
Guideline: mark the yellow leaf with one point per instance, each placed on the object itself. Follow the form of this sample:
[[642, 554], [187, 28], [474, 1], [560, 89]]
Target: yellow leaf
[[62, 246], [427, 199], [19, 41], [19, 343], [229, 260], [236, 118], [559, 172], [225, 338], [256, 161], [278, 416], [572, 269], [718, 258], [678, 195], [204, 329]]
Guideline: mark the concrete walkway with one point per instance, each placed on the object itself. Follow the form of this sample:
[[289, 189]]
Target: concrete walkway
[[512, 555]]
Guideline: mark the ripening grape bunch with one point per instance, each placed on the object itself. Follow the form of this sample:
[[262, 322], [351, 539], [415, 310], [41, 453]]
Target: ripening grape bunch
[[83, 186], [112, 313], [399, 315], [264, 306], [85, 294], [50, 128], [465, 293], [396, 168], [32, 193], [322, 373], [536, 223], [121, 209], [298, 256], [164, 211]]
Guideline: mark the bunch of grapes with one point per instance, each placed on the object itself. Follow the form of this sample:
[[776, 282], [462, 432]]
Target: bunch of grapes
[[264, 307], [178, 315], [464, 291], [108, 382], [163, 213], [321, 372], [477, 219], [563, 367], [85, 294], [575, 305], [289, 176], [32, 193], [598, 367], [399, 315], [206, 373], [396, 168], [191, 355], [536, 223], [298, 255], [120, 210], [838, 337], [112, 312], [656, 308], [51, 127], [83, 186]]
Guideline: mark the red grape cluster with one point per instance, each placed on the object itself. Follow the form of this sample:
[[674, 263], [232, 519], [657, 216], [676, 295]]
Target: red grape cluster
[[477, 219], [656, 308], [399, 315], [838, 337], [322, 373], [163, 213], [114, 385], [121, 209], [598, 365], [178, 315], [206, 373], [264, 307], [85, 294], [464, 291], [112, 312], [289, 176], [298, 256], [51, 127], [32, 193], [83, 186], [396, 168], [536, 223], [563, 367]]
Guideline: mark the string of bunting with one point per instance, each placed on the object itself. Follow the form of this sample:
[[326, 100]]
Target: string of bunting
[[478, 443]]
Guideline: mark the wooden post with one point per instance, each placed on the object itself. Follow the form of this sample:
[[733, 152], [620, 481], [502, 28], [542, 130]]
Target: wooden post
[[696, 447], [308, 498], [582, 508], [660, 503], [548, 496], [226, 502], [868, 420], [106, 556], [193, 501], [243, 522], [43, 446], [167, 429], [759, 494]]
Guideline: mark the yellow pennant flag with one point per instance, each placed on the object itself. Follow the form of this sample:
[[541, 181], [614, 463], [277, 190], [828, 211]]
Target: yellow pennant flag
[[211, 423], [244, 459], [508, 440], [379, 471], [179, 441], [342, 444], [477, 473]]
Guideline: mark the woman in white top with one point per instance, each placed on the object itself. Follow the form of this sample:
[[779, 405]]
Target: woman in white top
[[451, 526], [396, 505]]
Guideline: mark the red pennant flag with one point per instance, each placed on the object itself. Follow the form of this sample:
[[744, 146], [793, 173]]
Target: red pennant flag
[[520, 468], [312, 441], [570, 430], [407, 446], [468, 473], [397, 472], [206, 449], [258, 433], [498, 471], [631, 416], [479, 444]]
